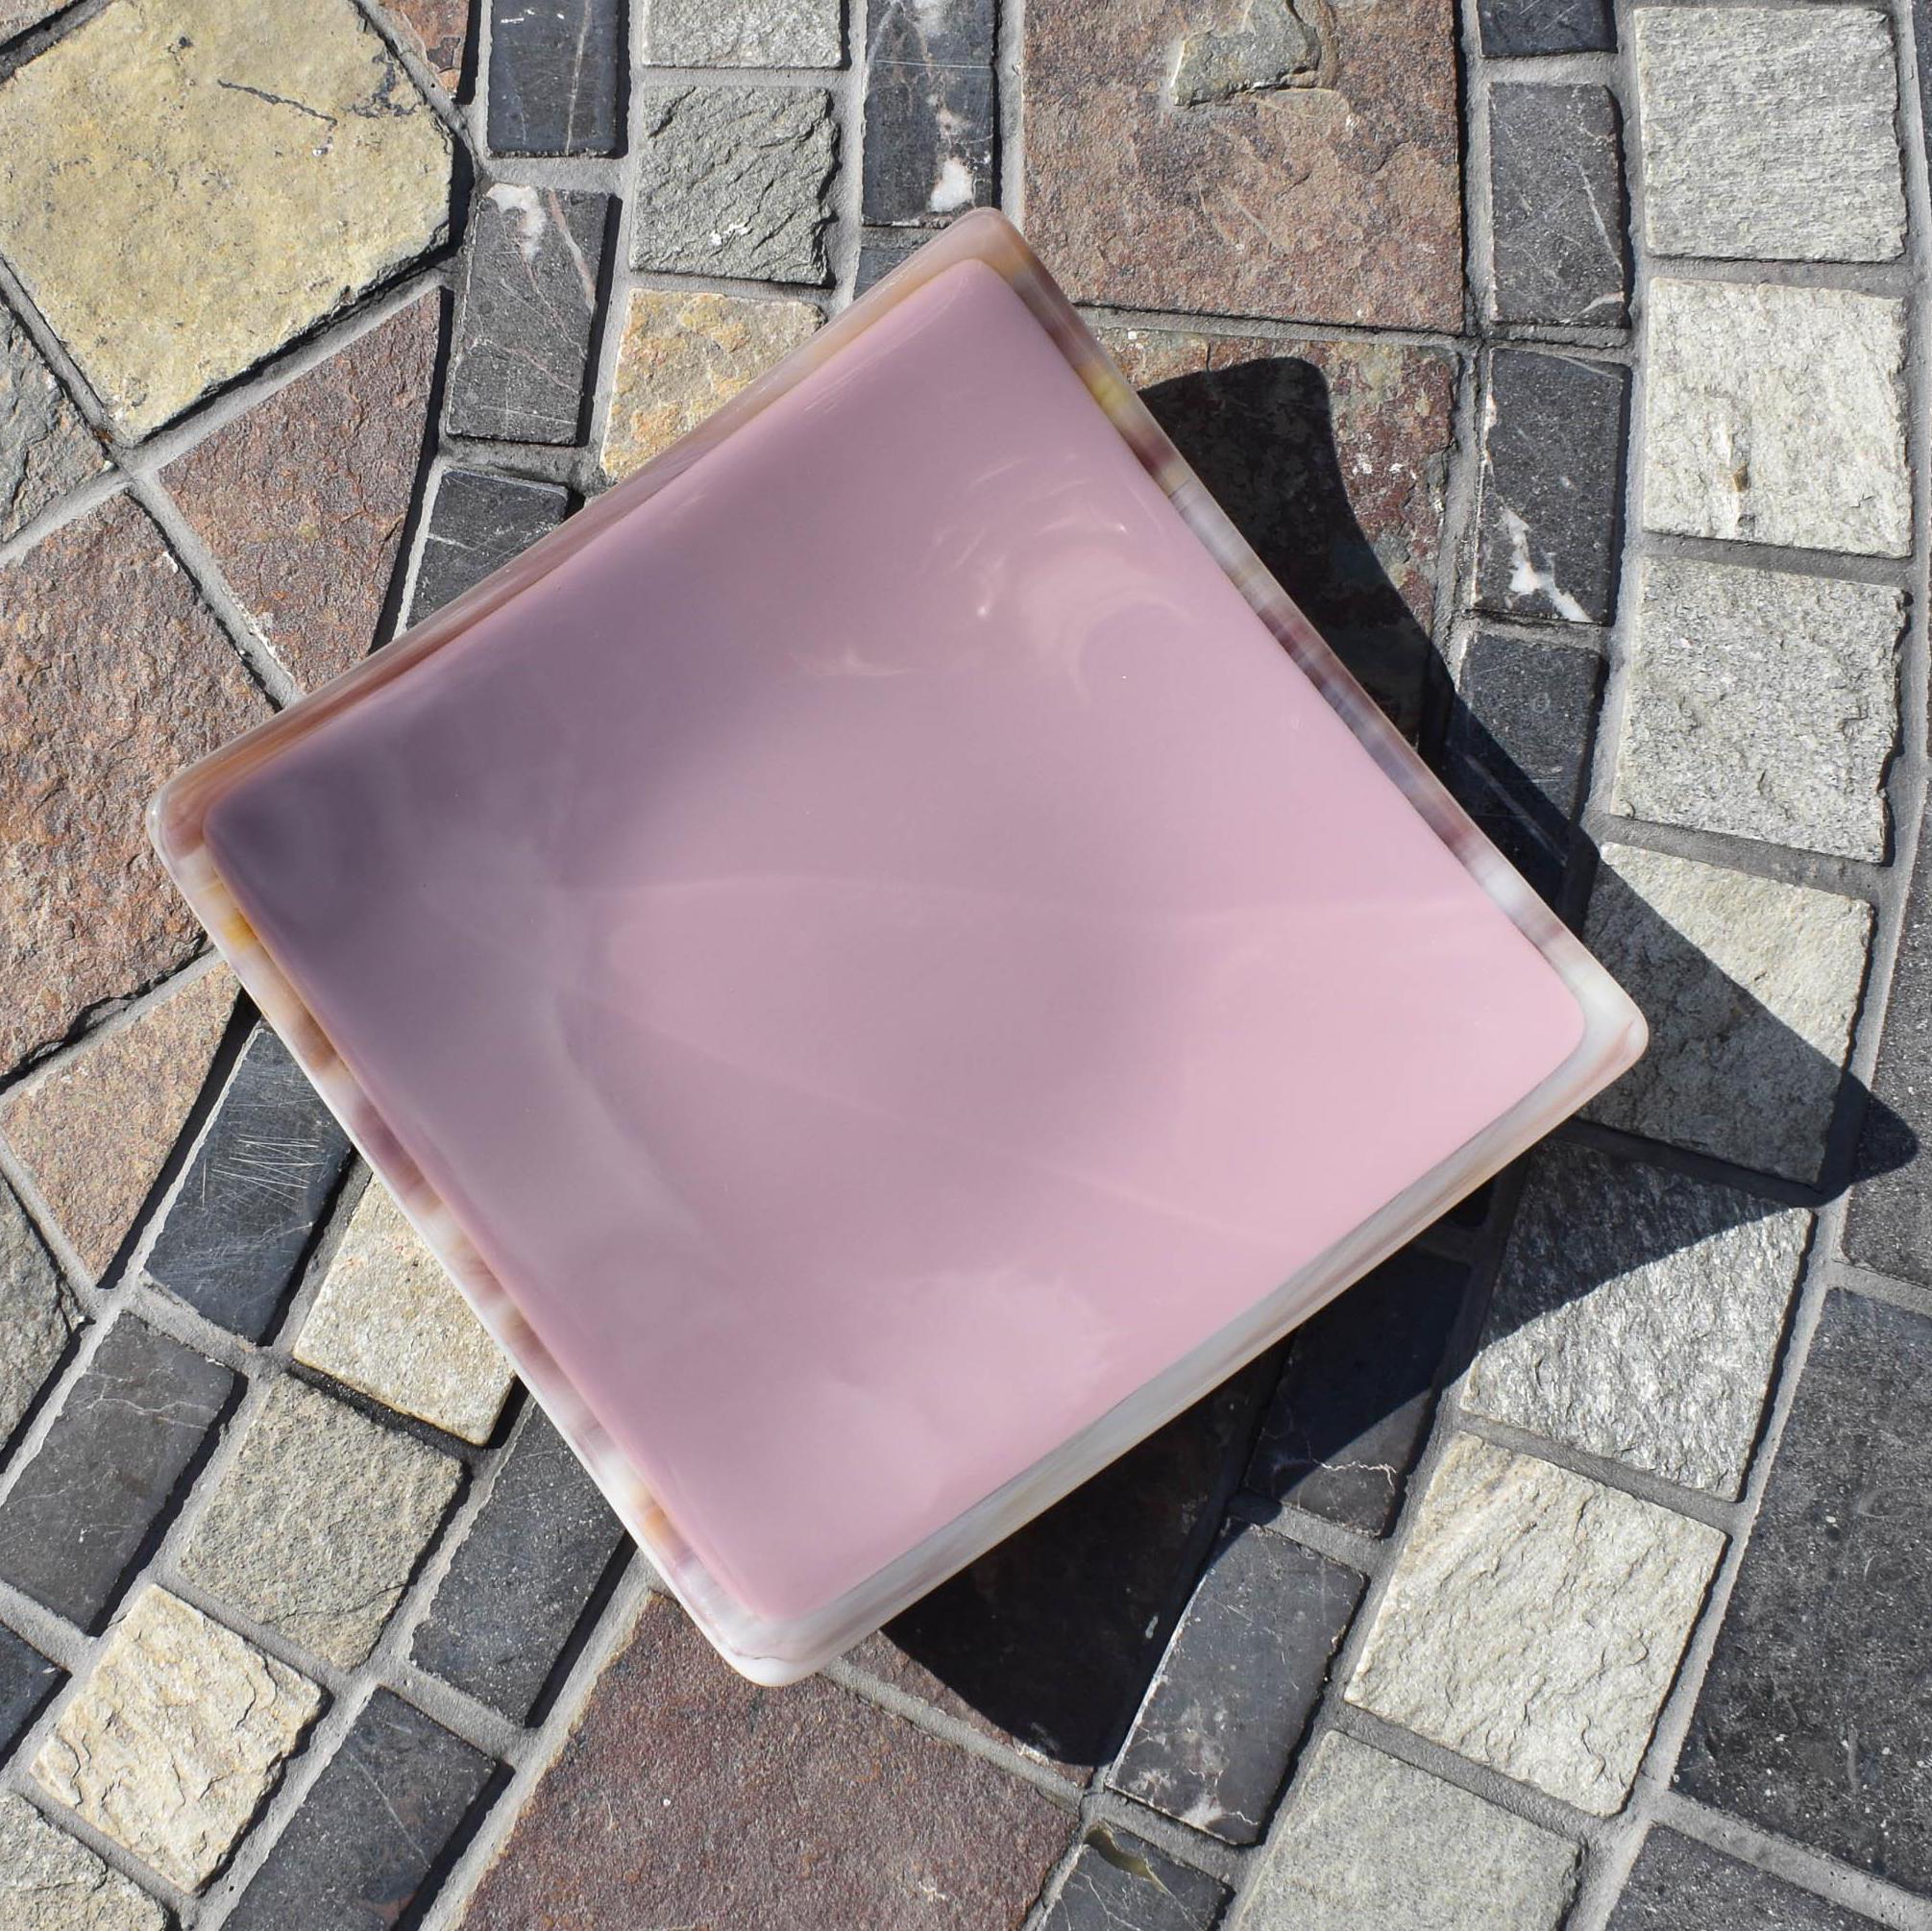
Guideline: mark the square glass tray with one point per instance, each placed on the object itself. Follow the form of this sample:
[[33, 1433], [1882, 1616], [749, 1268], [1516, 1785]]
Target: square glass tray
[[885, 957]]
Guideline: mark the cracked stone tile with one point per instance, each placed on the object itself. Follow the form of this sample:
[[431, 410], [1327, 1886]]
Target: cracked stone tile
[[1368, 1841], [96, 1130], [734, 181], [390, 1323], [177, 1738], [316, 1525], [931, 119], [37, 1315], [52, 1882], [238, 174], [1559, 214], [27, 1680], [1534, 1621], [556, 69], [743, 32], [1117, 1882], [1679, 1885], [46, 448], [477, 522], [439, 31]]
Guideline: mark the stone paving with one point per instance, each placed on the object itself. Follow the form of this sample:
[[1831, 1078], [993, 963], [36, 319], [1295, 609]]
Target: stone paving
[[1566, 359]]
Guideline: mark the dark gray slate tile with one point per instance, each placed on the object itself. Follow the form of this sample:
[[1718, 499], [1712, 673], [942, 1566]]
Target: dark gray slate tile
[[1549, 533], [1556, 191], [266, 1165], [556, 71], [1813, 1721], [1120, 1883], [1355, 1398], [1519, 747], [27, 1679], [1225, 1714], [930, 113], [478, 523], [531, 280], [1513, 27], [881, 249], [1678, 1885], [371, 1828], [512, 1598], [85, 1507]]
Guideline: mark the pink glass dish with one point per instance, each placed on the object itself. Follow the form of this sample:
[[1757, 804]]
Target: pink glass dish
[[885, 957]]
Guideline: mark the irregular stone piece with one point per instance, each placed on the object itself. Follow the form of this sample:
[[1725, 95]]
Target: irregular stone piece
[[1679, 1885], [1552, 477], [265, 1167], [734, 181], [1515, 26], [529, 303], [37, 1315], [1749, 988], [371, 1827], [1556, 202], [1816, 181], [177, 1738], [1247, 1664], [1762, 703], [743, 32], [88, 1505], [96, 1130], [438, 30], [1534, 1621], [239, 173], [1773, 414], [1638, 1317], [303, 501], [315, 1526], [50, 1882], [930, 115], [476, 524], [46, 448], [684, 354], [1368, 1841], [1809, 1722], [838, 1813], [557, 70], [112, 676], [1333, 198], [389, 1322], [1355, 1398], [27, 1680], [1117, 1881]]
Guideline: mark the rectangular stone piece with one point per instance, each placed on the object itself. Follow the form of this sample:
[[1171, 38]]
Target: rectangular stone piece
[[371, 1828], [27, 1679], [741, 33], [1356, 1394], [556, 76], [1810, 1722], [1519, 744], [1119, 1882], [477, 522], [1557, 210], [37, 1315], [1518, 27], [931, 119], [1228, 1707], [1817, 179], [265, 1167], [530, 270], [1680, 1885], [881, 249], [516, 1587], [1549, 535], [85, 1506]]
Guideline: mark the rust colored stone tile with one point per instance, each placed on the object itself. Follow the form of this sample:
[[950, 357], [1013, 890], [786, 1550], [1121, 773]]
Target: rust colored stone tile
[[686, 1795], [114, 675], [96, 1130], [1280, 157], [439, 30], [304, 499]]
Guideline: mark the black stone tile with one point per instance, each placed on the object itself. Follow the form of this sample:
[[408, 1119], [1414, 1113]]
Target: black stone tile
[[512, 1598], [881, 249], [930, 113], [1353, 1406], [85, 1507], [1119, 1883], [1557, 195], [1678, 1885], [1813, 1719], [27, 1679], [1520, 738], [557, 70], [531, 281], [256, 1185], [372, 1827], [478, 523], [1513, 27], [1228, 1707], [1548, 534]]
